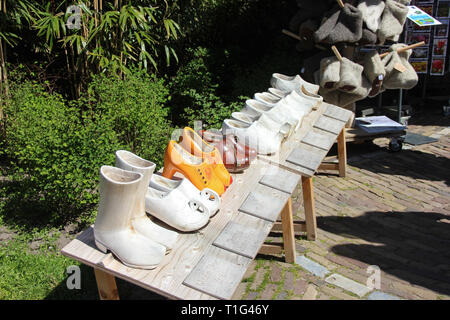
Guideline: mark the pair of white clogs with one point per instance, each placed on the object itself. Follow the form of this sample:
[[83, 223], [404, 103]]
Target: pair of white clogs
[[274, 115], [127, 192]]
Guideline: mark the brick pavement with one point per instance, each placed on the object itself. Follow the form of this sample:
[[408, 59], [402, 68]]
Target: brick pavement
[[391, 213]]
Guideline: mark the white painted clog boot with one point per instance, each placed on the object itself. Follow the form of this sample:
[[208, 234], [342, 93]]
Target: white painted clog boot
[[291, 83], [209, 198], [141, 223], [277, 92], [175, 208], [255, 135], [112, 229], [266, 98], [278, 112]]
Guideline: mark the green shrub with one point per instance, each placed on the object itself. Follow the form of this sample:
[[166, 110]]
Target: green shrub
[[54, 154], [136, 109], [195, 93]]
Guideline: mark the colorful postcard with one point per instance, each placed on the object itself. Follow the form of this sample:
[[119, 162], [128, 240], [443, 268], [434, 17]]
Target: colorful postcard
[[438, 66], [421, 66], [421, 17], [417, 37], [420, 53], [443, 9], [439, 47], [442, 30]]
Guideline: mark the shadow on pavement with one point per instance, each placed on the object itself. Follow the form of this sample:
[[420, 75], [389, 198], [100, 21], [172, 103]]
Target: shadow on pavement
[[412, 246]]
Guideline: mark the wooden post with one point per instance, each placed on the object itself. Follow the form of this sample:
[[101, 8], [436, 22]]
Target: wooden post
[[412, 46], [287, 221], [310, 211], [106, 285], [342, 154]]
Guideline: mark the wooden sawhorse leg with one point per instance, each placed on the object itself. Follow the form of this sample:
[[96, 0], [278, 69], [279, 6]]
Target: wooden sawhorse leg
[[106, 284], [287, 223], [310, 210], [342, 154], [287, 227]]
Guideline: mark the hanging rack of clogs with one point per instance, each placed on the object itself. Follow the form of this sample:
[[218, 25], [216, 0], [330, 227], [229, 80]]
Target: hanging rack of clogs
[[347, 29]]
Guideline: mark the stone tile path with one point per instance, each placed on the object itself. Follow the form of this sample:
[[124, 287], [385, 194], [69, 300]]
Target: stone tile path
[[389, 217]]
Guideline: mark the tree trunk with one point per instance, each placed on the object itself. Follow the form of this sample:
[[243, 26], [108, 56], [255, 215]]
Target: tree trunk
[[3, 71]]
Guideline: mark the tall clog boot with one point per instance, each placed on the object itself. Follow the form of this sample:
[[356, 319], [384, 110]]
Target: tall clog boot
[[197, 170], [140, 222], [193, 143], [113, 230]]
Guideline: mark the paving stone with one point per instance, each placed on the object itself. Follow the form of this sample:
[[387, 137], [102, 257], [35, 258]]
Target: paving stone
[[282, 295], [310, 293], [300, 286], [348, 284], [250, 270], [252, 295], [259, 277], [268, 292], [336, 293], [289, 281], [312, 266], [378, 295], [322, 260], [275, 273]]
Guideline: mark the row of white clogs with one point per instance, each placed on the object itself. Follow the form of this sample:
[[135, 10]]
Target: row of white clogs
[[272, 116], [127, 192]]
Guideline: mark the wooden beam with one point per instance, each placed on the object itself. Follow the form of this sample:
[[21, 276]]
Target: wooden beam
[[336, 53], [412, 46], [329, 166], [342, 154], [291, 34], [299, 226], [106, 284], [310, 211], [288, 232], [271, 249]]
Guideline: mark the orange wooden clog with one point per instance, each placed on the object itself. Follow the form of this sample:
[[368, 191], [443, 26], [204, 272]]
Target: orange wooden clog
[[193, 142], [197, 170]]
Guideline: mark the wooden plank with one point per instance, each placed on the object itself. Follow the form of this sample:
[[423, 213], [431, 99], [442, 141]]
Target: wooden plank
[[265, 203], [329, 166], [106, 285], [244, 235], [329, 124], [310, 211], [218, 273], [288, 232], [267, 248], [299, 226], [280, 179], [306, 157], [337, 113], [320, 139]]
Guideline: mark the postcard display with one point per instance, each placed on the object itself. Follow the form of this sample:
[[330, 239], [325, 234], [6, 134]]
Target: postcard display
[[431, 58]]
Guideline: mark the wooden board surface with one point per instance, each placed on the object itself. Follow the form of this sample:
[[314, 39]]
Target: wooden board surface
[[307, 157], [167, 279], [324, 139], [320, 139], [280, 179], [265, 203], [337, 113], [218, 273], [244, 235], [328, 124], [177, 268]]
